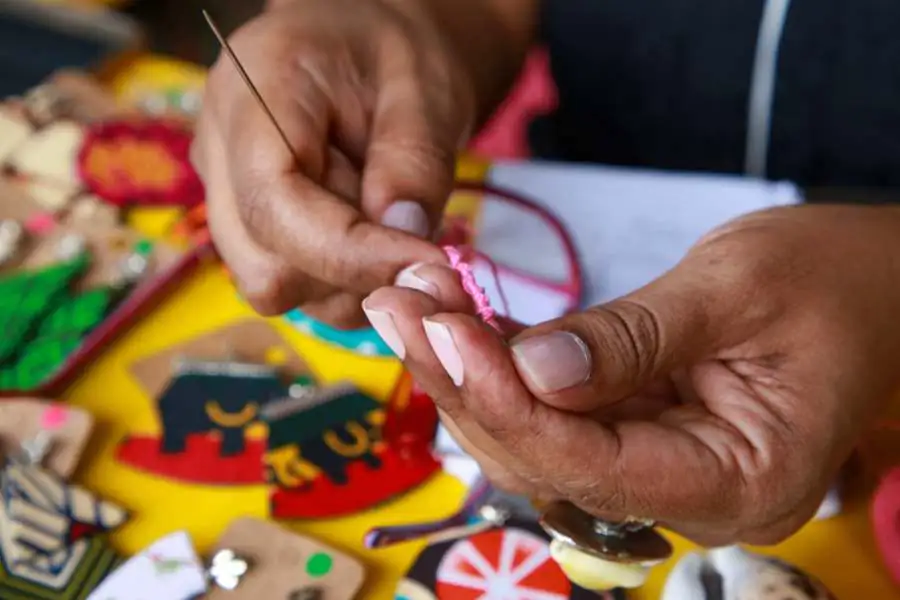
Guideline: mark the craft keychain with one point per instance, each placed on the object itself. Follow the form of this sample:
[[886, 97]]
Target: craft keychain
[[52, 533]]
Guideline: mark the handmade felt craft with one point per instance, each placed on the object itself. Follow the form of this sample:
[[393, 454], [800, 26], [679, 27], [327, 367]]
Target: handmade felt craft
[[733, 573], [327, 455], [26, 297], [68, 428], [52, 536], [57, 337], [168, 570], [364, 341], [207, 410], [284, 565], [140, 162], [498, 564]]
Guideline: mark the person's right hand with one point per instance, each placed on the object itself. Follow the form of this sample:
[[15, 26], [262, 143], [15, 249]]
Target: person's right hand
[[375, 105]]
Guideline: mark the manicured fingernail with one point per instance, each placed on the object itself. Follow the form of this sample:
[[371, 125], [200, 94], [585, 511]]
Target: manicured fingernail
[[445, 349], [409, 279], [384, 325], [407, 216], [553, 362]]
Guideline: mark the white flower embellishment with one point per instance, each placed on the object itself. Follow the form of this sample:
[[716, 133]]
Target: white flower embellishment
[[227, 569]]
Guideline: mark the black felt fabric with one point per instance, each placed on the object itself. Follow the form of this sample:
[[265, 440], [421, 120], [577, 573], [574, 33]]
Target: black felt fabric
[[665, 84]]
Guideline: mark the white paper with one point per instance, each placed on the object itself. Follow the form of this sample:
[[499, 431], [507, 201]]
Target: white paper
[[629, 225], [168, 569]]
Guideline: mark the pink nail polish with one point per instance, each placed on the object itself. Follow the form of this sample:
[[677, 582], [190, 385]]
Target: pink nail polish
[[441, 340]]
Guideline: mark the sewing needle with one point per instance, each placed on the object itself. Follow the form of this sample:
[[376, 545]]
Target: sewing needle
[[253, 89]]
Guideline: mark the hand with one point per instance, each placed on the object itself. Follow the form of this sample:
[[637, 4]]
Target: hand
[[719, 400], [375, 106]]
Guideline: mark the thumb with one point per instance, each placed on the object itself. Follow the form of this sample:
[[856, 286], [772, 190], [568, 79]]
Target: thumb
[[588, 360], [410, 162]]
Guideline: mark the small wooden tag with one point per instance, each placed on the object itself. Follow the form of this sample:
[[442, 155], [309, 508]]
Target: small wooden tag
[[283, 564], [21, 419]]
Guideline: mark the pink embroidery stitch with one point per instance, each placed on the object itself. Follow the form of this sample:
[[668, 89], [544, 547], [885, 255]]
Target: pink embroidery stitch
[[476, 292]]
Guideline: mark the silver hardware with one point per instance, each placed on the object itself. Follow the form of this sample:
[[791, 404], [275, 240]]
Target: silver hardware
[[632, 541], [227, 569], [70, 246], [11, 235], [36, 449]]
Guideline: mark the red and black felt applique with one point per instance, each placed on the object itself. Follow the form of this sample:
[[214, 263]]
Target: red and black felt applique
[[205, 412], [338, 451], [209, 406], [143, 162], [326, 452], [498, 564]]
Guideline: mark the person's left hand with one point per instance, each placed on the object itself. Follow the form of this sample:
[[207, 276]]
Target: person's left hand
[[719, 400]]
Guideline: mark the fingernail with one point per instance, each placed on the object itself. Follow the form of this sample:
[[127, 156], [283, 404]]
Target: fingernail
[[384, 325], [409, 279], [553, 362], [407, 216], [445, 349]]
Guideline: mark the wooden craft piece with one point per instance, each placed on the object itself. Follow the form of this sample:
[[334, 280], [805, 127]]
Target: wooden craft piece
[[498, 564], [284, 564], [327, 455], [14, 130], [168, 570], [206, 412], [21, 419], [50, 153], [735, 574], [108, 241], [28, 296], [52, 536]]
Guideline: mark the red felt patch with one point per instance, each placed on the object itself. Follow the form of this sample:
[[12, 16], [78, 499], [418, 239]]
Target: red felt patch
[[199, 463], [140, 162], [367, 488], [81, 530]]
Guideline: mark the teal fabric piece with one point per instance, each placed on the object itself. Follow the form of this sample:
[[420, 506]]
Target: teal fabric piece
[[365, 341]]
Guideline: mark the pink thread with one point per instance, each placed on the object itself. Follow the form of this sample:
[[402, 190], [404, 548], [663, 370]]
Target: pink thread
[[54, 417], [476, 292]]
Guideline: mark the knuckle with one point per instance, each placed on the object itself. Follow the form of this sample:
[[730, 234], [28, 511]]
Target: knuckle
[[268, 287], [630, 336]]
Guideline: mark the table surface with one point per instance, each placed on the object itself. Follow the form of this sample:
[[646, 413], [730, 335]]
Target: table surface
[[841, 551]]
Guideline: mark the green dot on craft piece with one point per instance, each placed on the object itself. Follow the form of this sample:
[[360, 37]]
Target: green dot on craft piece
[[144, 247], [319, 565]]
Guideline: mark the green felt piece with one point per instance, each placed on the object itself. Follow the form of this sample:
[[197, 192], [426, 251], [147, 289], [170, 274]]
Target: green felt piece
[[26, 297], [57, 337]]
